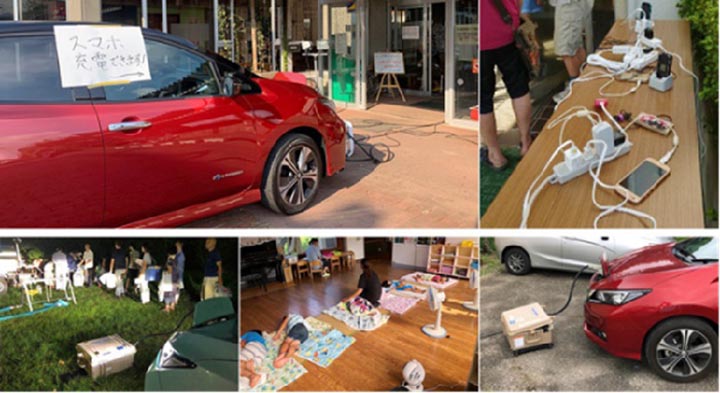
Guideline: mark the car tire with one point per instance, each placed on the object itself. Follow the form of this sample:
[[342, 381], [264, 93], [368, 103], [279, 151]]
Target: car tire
[[668, 339], [285, 185], [517, 261]]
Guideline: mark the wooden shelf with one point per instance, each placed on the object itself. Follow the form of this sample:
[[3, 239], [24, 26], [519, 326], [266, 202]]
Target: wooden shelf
[[452, 259]]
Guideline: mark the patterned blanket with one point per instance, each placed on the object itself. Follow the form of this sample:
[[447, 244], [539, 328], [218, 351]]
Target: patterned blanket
[[276, 378], [358, 314], [397, 304], [324, 346]]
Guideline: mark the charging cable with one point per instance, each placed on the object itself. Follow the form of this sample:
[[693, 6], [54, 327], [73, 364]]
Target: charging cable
[[570, 295]]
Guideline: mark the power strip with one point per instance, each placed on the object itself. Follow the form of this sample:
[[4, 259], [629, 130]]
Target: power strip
[[654, 123], [577, 163]]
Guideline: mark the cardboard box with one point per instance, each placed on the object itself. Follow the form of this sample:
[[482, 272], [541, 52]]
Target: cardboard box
[[527, 328], [104, 356]]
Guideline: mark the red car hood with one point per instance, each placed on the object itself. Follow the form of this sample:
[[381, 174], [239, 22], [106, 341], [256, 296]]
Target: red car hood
[[649, 259]]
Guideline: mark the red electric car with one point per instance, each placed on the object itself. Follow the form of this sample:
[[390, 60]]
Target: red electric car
[[659, 304], [202, 136]]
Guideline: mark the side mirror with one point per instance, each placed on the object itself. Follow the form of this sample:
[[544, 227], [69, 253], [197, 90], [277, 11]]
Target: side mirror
[[233, 85]]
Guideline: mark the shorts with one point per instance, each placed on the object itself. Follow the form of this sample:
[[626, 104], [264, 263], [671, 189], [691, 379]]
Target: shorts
[[515, 74], [298, 332], [570, 20]]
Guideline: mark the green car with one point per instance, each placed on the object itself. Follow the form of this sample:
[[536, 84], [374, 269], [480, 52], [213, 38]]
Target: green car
[[203, 358]]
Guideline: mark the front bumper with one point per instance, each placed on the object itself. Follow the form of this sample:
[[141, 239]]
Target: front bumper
[[614, 329]]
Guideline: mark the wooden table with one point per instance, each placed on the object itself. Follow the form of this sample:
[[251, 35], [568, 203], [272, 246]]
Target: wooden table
[[676, 203]]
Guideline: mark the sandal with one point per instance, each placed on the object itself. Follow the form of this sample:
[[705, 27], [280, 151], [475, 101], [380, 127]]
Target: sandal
[[485, 159]]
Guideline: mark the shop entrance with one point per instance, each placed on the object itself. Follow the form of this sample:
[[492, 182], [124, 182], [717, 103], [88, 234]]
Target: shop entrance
[[418, 31]]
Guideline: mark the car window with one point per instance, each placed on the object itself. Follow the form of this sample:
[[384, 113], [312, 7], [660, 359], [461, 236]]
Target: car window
[[29, 71], [175, 73], [700, 249]]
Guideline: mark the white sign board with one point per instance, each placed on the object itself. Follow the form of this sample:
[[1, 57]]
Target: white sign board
[[411, 32], [341, 44], [389, 63], [95, 55]]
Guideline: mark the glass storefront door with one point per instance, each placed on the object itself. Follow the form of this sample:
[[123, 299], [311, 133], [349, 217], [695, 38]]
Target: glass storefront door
[[465, 57], [408, 33], [343, 53], [418, 31]]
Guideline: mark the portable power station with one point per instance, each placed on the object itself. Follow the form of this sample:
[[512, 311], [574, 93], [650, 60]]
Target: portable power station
[[104, 356], [527, 328]]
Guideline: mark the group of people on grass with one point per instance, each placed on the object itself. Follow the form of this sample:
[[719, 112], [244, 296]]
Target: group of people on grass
[[126, 270]]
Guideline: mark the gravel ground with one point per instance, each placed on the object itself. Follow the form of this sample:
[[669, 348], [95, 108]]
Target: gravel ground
[[575, 363]]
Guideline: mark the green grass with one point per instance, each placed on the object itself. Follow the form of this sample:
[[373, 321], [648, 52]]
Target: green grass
[[36, 351], [490, 263], [491, 181]]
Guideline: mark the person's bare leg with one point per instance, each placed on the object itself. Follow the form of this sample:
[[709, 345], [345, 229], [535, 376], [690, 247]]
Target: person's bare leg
[[488, 130], [294, 346], [523, 114], [579, 58], [283, 356]]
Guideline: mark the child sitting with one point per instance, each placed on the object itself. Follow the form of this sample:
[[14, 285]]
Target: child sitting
[[297, 333], [252, 355]]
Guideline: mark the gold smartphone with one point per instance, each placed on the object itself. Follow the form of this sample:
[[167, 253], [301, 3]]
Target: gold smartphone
[[640, 182]]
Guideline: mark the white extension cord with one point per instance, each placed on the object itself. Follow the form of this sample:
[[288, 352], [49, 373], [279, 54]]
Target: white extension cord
[[594, 156]]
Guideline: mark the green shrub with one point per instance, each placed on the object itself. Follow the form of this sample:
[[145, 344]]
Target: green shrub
[[703, 18]]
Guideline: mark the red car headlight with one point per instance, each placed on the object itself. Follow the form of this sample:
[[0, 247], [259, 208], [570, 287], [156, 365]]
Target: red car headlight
[[616, 297]]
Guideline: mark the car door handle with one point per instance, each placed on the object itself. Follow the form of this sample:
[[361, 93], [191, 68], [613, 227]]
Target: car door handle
[[128, 126], [604, 238]]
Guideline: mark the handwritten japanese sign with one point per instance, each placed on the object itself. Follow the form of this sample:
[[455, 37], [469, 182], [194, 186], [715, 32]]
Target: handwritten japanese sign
[[389, 63], [96, 55]]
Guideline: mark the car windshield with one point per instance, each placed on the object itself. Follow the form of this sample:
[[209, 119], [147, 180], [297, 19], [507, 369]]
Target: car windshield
[[697, 250]]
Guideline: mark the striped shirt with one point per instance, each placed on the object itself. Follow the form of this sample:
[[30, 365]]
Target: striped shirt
[[294, 319], [254, 351]]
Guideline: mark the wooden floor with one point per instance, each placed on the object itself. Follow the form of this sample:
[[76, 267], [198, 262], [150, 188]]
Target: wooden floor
[[375, 360]]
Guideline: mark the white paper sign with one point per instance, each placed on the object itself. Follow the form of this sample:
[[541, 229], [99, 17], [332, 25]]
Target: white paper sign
[[341, 44], [95, 55], [389, 63], [411, 32]]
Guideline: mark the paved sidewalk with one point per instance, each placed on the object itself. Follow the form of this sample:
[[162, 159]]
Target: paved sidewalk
[[432, 182]]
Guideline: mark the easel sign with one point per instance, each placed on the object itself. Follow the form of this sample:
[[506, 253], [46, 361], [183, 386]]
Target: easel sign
[[389, 64]]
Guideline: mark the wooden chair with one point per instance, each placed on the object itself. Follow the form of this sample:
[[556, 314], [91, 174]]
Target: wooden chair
[[335, 262], [350, 259], [316, 267], [302, 268]]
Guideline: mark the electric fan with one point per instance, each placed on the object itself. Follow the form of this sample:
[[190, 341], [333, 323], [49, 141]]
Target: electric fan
[[435, 299], [473, 305]]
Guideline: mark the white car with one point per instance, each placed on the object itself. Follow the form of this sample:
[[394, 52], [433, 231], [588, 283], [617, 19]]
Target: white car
[[568, 253]]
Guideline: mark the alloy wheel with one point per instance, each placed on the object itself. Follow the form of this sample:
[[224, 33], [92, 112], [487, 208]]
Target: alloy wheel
[[684, 352], [298, 175], [516, 262]]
